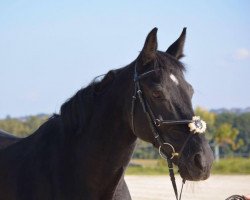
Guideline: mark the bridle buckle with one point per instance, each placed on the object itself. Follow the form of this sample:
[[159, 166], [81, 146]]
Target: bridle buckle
[[157, 122]]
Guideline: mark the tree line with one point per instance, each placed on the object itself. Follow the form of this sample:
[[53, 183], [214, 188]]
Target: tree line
[[22, 127], [228, 133]]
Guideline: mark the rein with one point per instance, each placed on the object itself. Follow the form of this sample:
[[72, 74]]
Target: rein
[[196, 125]]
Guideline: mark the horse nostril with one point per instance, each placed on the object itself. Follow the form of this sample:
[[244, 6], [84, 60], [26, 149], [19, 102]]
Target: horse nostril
[[198, 161]]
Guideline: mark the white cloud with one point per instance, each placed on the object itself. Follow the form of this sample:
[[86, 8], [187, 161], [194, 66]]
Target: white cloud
[[241, 54]]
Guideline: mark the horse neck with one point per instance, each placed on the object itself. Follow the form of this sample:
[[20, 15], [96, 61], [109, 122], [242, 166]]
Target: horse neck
[[104, 151]]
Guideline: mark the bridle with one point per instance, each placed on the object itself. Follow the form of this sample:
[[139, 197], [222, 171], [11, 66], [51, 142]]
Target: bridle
[[195, 124]]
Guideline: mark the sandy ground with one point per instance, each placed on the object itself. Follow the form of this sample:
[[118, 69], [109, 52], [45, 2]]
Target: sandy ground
[[217, 187]]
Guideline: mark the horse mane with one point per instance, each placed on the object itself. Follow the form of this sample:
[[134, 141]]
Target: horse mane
[[76, 111]]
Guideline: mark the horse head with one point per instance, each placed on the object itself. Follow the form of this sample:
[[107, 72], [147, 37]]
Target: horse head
[[162, 111]]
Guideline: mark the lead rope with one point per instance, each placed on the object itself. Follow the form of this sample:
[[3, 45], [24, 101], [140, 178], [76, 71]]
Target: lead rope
[[172, 177], [183, 182]]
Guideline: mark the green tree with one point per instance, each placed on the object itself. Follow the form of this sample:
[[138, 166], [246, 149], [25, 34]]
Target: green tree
[[34, 122], [227, 117], [222, 131], [14, 126], [227, 135], [242, 123], [22, 127]]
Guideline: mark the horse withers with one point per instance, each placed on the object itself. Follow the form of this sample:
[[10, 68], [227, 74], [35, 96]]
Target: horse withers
[[82, 152]]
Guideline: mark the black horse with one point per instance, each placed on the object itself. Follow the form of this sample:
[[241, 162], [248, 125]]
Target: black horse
[[82, 153], [121, 192]]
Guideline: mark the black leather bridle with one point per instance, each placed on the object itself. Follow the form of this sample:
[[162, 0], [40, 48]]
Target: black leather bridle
[[154, 123]]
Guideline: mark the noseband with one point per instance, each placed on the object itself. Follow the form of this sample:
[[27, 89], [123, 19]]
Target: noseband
[[196, 125]]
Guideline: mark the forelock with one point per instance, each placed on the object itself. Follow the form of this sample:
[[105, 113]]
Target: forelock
[[168, 62]]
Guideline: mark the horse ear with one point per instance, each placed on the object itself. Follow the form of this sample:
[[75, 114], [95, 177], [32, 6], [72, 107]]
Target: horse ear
[[176, 49], [150, 46]]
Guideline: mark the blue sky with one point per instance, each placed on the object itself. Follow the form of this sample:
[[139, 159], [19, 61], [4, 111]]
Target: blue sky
[[50, 49]]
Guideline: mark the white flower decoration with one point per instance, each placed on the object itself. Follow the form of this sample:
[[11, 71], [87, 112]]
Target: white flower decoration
[[197, 125]]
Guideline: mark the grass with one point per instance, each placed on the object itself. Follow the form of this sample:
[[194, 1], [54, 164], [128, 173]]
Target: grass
[[147, 167], [139, 170], [158, 167], [232, 166]]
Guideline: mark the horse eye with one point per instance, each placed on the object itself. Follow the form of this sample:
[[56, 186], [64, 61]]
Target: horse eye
[[157, 94]]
